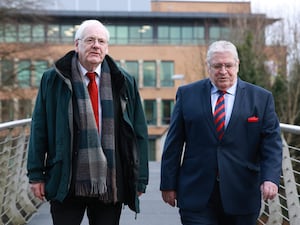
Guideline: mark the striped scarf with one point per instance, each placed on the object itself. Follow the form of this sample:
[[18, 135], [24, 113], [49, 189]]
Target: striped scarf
[[96, 171]]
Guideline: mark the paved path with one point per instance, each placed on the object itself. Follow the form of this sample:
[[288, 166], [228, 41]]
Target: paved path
[[153, 210]]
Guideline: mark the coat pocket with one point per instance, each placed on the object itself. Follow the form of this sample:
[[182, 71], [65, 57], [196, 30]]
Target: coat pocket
[[53, 177]]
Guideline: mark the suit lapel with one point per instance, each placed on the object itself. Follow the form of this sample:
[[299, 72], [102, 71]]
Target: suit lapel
[[206, 106], [237, 105]]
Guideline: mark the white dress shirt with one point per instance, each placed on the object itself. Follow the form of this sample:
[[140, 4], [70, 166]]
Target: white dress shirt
[[229, 100]]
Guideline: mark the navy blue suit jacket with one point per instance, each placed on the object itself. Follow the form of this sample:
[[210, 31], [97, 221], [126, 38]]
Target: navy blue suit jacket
[[249, 153]]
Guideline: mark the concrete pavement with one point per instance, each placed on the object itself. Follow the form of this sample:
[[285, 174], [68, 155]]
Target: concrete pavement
[[153, 210]]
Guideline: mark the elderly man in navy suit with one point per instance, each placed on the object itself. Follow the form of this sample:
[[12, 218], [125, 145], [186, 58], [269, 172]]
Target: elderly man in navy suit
[[223, 151]]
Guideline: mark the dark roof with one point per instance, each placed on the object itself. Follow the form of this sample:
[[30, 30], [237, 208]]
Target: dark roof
[[143, 15], [146, 14]]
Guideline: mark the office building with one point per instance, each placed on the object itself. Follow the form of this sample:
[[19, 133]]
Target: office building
[[161, 43]]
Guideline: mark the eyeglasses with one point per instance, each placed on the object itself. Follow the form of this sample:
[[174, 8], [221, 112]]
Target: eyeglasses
[[93, 40], [219, 66]]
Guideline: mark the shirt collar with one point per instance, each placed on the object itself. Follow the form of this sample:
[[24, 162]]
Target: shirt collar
[[84, 71], [230, 90]]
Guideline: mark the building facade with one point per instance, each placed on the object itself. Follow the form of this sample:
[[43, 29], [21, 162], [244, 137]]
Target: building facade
[[162, 48]]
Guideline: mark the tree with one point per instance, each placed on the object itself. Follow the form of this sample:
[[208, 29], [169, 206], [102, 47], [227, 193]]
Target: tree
[[252, 67], [8, 6], [287, 88], [12, 13]]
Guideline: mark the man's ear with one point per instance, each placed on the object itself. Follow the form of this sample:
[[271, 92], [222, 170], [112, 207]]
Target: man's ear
[[238, 65], [76, 45], [207, 66]]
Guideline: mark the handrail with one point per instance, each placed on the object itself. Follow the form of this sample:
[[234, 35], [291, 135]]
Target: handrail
[[12, 124], [18, 203], [294, 129]]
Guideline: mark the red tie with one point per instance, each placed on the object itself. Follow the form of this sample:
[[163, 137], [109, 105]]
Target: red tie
[[93, 91], [219, 114]]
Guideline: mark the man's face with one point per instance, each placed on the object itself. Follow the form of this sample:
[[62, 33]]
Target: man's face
[[223, 69], [92, 47]]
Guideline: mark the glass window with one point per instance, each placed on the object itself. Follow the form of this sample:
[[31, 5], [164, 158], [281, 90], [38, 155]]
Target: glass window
[[122, 34], [24, 108], [181, 34], [7, 110], [112, 34], [140, 34], [149, 74], [39, 68], [166, 72], [163, 34], [53, 33], [10, 33], [7, 72], [147, 33], [187, 35], [225, 33], [167, 108], [2, 28], [175, 35], [132, 67], [67, 33], [134, 34], [23, 73], [199, 35], [24, 33], [150, 111], [214, 33], [119, 34], [151, 149], [38, 33]]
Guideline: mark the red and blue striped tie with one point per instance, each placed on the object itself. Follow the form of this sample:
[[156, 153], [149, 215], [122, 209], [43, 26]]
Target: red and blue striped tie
[[219, 114]]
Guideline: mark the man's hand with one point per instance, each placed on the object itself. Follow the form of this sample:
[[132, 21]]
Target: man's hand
[[38, 189], [269, 190], [169, 197]]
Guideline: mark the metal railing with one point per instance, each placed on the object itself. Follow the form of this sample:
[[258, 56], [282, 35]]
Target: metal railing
[[285, 208], [18, 204], [16, 201]]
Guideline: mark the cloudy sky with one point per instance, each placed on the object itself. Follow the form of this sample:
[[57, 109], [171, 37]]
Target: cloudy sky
[[277, 7], [280, 8]]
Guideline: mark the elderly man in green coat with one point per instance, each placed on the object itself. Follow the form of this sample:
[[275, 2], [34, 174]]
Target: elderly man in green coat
[[80, 163]]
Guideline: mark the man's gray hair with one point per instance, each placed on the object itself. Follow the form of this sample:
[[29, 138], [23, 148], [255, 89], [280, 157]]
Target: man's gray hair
[[221, 46], [88, 23]]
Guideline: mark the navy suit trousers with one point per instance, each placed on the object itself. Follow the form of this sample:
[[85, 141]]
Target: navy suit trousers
[[214, 214]]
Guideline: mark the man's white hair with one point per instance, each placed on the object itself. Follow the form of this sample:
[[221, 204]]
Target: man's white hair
[[87, 23], [221, 46]]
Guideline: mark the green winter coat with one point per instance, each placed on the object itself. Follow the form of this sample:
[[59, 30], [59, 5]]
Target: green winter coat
[[52, 132]]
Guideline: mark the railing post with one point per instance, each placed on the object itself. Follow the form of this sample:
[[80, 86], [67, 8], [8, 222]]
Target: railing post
[[4, 155], [10, 214], [26, 206], [290, 186], [274, 212]]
